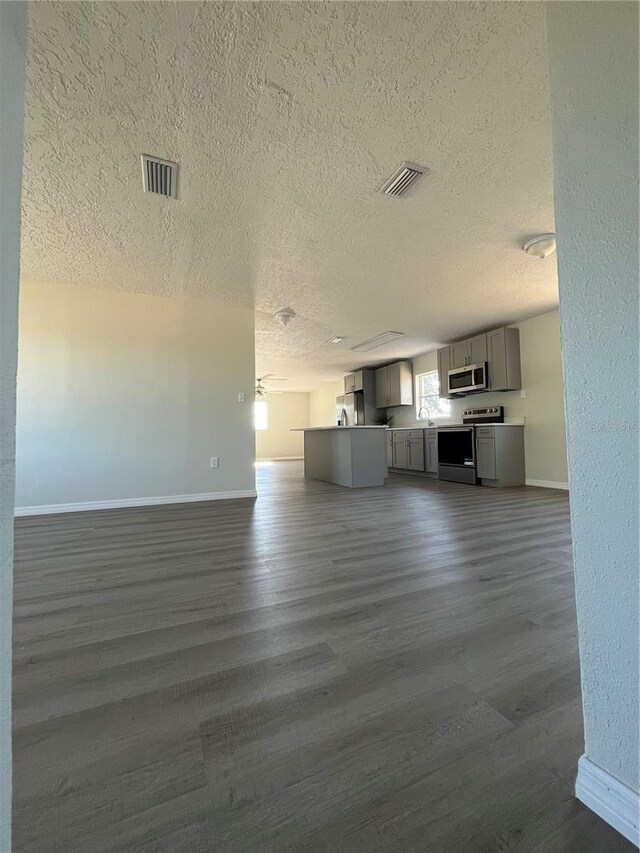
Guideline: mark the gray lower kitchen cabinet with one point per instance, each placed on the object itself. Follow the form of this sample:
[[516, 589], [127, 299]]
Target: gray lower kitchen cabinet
[[416, 452], [500, 455], [431, 451], [394, 385], [503, 356], [486, 458], [400, 450], [408, 450]]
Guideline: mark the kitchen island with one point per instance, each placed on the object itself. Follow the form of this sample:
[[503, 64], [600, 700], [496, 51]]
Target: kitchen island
[[355, 457]]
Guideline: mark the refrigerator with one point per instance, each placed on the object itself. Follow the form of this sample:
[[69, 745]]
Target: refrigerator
[[350, 409]]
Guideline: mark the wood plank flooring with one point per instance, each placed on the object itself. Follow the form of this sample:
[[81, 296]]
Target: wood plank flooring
[[324, 669]]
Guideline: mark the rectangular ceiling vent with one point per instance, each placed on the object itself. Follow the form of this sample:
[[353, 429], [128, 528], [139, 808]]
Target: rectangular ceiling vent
[[159, 177], [404, 177], [378, 341]]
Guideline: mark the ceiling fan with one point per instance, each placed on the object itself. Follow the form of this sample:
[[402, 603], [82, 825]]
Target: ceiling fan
[[261, 390]]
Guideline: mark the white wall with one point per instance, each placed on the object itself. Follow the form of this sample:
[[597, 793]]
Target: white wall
[[542, 408], [124, 396], [322, 404], [593, 61], [285, 411], [13, 39]]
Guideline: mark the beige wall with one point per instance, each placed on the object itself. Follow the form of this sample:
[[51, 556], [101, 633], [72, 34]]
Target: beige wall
[[542, 408], [13, 41], [124, 396], [322, 404], [593, 63], [286, 411]]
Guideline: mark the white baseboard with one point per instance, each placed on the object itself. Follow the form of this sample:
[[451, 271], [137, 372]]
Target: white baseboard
[[548, 484], [123, 503], [277, 458], [614, 802]]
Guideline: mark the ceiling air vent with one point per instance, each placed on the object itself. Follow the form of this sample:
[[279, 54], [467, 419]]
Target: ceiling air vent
[[404, 177], [378, 341], [159, 177]]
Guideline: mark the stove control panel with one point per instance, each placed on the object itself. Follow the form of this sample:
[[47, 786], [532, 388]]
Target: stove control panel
[[493, 410], [492, 414]]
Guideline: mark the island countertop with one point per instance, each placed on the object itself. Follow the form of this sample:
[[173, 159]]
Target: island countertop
[[341, 428], [354, 457]]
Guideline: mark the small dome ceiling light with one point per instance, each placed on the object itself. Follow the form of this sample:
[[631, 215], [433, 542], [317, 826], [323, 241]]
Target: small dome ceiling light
[[541, 246], [336, 339], [284, 316]]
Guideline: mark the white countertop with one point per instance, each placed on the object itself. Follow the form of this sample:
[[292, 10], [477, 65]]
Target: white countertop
[[442, 425], [317, 429], [490, 423], [399, 429]]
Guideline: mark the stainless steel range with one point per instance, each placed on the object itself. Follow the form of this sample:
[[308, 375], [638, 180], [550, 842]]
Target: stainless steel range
[[457, 444]]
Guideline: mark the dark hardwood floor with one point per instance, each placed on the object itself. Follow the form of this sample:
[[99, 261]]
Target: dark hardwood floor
[[324, 670]]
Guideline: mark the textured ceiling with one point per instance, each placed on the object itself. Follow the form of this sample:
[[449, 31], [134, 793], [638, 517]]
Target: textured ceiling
[[285, 119]]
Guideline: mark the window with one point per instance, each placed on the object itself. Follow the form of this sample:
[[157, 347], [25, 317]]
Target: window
[[261, 415], [428, 402]]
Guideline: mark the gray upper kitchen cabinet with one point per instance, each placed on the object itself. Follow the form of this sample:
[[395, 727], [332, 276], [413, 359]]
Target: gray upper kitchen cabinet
[[470, 351], [458, 354], [503, 347], [443, 370], [354, 382], [477, 349], [382, 387], [394, 385], [500, 349], [362, 384], [431, 451]]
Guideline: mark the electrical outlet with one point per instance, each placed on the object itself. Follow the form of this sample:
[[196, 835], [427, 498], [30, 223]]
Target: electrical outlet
[[215, 461], [242, 397]]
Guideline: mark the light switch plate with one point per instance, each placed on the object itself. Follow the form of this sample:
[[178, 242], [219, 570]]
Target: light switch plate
[[523, 393], [242, 397], [215, 461]]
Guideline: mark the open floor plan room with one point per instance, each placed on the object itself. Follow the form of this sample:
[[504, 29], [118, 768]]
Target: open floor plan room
[[319, 404], [322, 670]]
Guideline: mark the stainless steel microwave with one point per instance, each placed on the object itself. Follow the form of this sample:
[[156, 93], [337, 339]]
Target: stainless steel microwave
[[464, 380]]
